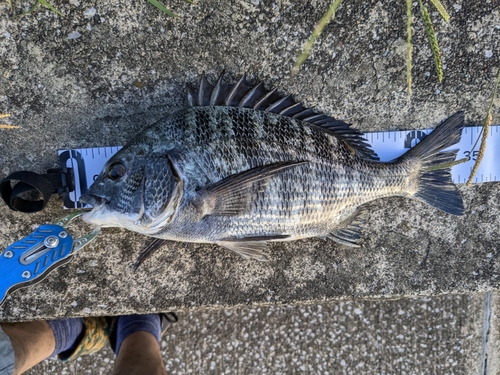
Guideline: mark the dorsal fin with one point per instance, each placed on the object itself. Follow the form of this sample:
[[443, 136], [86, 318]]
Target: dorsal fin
[[261, 99], [237, 92]]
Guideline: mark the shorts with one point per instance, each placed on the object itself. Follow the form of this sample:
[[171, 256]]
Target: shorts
[[6, 354]]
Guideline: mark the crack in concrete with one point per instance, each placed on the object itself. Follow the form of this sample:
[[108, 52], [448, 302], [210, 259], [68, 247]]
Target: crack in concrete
[[486, 334]]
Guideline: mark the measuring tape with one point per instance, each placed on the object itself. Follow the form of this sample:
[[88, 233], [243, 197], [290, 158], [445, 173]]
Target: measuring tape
[[392, 144], [87, 163]]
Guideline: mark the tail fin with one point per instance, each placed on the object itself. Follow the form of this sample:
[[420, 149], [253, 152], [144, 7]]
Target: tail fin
[[436, 187]]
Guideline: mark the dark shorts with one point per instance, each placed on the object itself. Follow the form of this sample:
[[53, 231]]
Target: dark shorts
[[6, 354]]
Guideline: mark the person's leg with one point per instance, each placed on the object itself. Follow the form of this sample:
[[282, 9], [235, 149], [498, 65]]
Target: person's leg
[[32, 342], [135, 339], [23, 345], [139, 354]]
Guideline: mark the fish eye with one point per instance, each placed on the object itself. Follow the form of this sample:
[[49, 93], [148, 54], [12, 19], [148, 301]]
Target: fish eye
[[116, 171]]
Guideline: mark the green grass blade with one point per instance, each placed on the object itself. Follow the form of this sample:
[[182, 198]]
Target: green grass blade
[[486, 126], [52, 8], [161, 7], [325, 20], [29, 11], [10, 3], [441, 9], [409, 46], [432, 40]]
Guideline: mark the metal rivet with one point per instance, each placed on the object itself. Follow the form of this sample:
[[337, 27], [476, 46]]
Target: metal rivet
[[51, 242], [63, 234], [26, 274], [8, 254]]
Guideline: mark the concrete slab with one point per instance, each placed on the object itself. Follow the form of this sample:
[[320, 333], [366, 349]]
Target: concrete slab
[[129, 65], [431, 335]]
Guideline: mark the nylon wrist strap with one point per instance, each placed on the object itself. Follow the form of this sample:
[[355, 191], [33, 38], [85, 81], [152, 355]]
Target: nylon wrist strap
[[28, 191]]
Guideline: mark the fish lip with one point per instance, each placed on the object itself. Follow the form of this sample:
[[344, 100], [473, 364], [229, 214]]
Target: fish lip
[[94, 200]]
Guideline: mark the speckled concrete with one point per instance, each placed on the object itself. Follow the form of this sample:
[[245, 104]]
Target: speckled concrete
[[440, 335]]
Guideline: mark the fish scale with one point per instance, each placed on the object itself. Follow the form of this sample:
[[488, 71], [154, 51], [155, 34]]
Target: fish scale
[[257, 168]]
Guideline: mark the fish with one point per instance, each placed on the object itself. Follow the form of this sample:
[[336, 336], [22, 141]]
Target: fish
[[243, 166]]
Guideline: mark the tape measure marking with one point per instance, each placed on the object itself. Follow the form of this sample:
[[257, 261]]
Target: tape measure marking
[[392, 144]]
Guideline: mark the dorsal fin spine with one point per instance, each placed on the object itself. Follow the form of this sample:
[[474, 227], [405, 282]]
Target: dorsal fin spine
[[204, 91], [303, 114], [278, 105], [232, 98], [291, 110], [248, 100], [313, 118], [260, 103], [214, 97]]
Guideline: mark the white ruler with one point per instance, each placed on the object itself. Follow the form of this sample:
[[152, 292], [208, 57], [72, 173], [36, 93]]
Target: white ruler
[[87, 163], [389, 145]]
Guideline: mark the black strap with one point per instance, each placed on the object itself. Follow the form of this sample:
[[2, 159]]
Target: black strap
[[18, 184]]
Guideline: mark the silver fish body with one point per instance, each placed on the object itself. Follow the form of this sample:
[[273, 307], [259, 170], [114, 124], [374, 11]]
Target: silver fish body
[[240, 176]]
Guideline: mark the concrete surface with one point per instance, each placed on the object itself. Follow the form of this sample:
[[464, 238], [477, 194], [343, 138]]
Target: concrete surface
[[440, 335], [130, 64]]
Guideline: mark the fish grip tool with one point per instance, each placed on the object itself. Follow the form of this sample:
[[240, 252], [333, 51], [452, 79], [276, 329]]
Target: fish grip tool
[[28, 191], [31, 259]]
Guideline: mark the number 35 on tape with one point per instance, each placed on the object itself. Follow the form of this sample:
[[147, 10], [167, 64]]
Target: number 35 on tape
[[390, 145]]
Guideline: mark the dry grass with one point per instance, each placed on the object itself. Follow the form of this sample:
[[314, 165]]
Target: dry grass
[[431, 35], [7, 126]]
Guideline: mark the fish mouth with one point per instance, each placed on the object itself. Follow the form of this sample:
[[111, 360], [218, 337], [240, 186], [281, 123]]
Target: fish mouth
[[101, 214], [99, 205], [94, 200]]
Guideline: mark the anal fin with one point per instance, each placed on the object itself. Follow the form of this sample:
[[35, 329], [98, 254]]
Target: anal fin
[[250, 247], [349, 232]]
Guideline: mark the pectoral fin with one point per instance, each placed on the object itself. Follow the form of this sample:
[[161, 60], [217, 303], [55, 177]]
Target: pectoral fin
[[232, 195]]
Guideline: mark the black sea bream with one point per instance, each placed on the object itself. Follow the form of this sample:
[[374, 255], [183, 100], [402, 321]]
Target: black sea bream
[[242, 166]]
